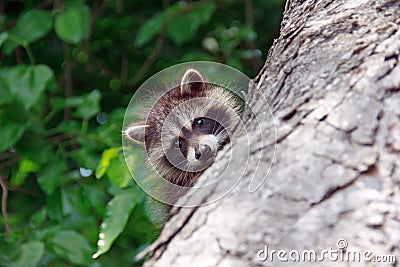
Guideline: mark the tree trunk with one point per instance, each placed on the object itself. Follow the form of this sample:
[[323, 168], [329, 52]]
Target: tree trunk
[[332, 79]]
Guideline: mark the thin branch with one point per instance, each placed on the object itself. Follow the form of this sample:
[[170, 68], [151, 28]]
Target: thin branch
[[2, 10], [23, 191], [29, 52], [119, 7], [4, 206], [149, 61], [59, 138], [57, 4], [25, 45], [124, 68], [249, 12], [67, 78], [18, 56], [6, 155], [98, 12], [45, 4], [9, 162]]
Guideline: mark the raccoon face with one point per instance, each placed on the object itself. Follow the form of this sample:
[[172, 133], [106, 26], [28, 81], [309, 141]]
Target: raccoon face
[[186, 127], [196, 145]]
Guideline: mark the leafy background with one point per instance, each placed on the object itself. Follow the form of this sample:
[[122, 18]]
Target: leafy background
[[68, 70]]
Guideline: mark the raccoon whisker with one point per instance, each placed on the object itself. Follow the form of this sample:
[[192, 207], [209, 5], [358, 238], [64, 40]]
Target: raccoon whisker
[[222, 135], [173, 175], [213, 129], [180, 165], [178, 177], [230, 121], [183, 166], [184, 175], [219, 129]]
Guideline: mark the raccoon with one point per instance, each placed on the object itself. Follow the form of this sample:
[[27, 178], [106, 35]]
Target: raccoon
[[186, 127]]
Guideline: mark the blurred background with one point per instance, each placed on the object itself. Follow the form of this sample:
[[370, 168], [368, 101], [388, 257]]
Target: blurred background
[[67, 72]]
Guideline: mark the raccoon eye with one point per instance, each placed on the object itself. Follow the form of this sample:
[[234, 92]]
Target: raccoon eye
[[199, 122], [177, 143]]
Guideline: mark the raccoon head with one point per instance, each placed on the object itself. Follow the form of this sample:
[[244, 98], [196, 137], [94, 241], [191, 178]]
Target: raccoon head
[[186, 127]]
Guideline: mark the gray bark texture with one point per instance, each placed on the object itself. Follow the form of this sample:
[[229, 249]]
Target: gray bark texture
[[332, 79]]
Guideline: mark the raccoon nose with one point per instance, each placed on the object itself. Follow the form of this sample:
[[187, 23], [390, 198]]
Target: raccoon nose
[[203, 152]]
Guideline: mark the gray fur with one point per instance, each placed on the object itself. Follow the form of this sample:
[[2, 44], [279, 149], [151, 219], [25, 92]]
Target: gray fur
[[177, 109]]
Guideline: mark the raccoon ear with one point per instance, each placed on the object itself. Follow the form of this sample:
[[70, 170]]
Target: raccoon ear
[[136, 132], [191, 81]]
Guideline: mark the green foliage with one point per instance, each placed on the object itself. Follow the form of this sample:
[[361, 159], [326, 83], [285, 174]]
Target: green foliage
[[26, 166], [28, 254], [105, 160], [72, 246], [27, 83], [49, 176], [67, 72], [31, 26], [73, 25], [118, 210], [150, 29]]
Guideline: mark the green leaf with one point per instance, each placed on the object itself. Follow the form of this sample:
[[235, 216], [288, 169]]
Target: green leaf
[[59, 103], [26, 166], [204, 11], [106, 157], [26, 83], [3, 37], [73, 25], [150, 29], [33, 25], [39, 217], [89, 106], [182, 28], [5, 94], [76, 208], [118, 211], [86, 157], [47, 232], [30, 27], [53, 206], [155, 24], [118, 173], [11, 131], [71, 246], [96, 196], [50, 175], [34, 146], [185, 25], [19, 178], [28, 254], [69, 127]]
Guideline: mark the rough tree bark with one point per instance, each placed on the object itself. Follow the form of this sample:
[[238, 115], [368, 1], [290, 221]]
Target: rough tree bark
[[333, 81]]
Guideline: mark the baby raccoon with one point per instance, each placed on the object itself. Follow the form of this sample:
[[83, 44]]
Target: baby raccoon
[[186, 127]]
